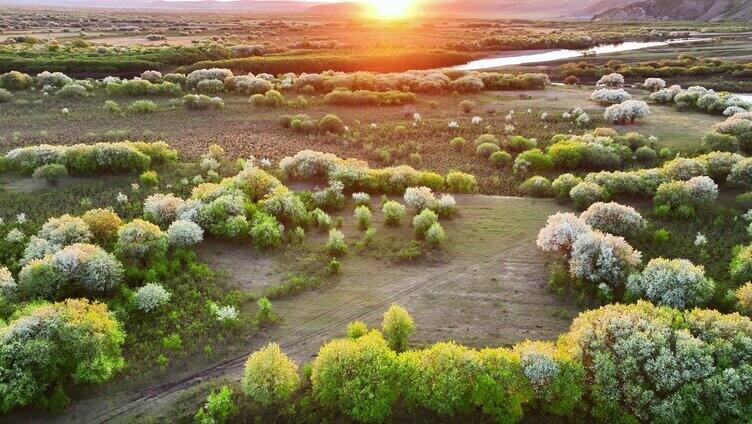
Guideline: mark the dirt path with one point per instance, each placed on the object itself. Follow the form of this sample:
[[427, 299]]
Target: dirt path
[[492, 292]]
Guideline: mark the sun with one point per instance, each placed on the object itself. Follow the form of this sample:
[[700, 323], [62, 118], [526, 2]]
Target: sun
[[390, 9]]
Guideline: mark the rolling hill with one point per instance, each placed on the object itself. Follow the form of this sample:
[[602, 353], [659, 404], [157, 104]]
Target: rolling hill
[[691, 10]]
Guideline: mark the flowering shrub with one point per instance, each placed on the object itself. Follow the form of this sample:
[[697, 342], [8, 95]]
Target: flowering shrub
[[740, 126], [46, 345], [560, 232], [103, 223], [150, 297], [202, 102], [603, 259], [363, 217], [285, 206], [358, 377], [654, 84], [71, 269], [184, 233], [393, 212], [698, 191], [536, 186], [423, 221], [650, 364], [606, 97], [199, 75], [744, 299], [269, 377], [626, 112], [336, 243], [741, 173], [719, 164], [435, 234], [65, 230], [614, 218], [162, 209], [459, 182], [419, 198], [612, 79], [266, 232], [677, 283], [684, 168], [51, 173], [88, 159], [140, 240], [362, 199], [563, 184], [740, 267], [585, 194]]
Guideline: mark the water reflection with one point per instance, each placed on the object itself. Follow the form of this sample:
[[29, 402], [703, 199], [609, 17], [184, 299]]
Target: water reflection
[[564, 54]]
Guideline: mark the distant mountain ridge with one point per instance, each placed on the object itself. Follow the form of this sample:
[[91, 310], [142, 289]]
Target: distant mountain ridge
[[701, 10], [691, 10], [201, 5]]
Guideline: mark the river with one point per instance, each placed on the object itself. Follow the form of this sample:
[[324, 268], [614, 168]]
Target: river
[[553, 55]]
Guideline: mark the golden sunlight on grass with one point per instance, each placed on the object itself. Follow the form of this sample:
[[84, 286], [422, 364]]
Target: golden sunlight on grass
[[390, 9]]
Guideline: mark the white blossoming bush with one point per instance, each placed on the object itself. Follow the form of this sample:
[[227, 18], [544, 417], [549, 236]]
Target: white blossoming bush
[[419, 198], [361, 199], [654, 84], [603, 258], [741, 173], [224, 314], [65, 230], [445, 205], [184, 233], [665, 96], [539, 363], [698, 191], [150, 297], [649, 364], [676, 283], [162, 209], [207, 74], [626, 112], [78, 267], [563, 184], [614, 218], [8, 284], [363, 217], [560, 232], [53, 79], [612, 80], [607, 97], [336, 243]]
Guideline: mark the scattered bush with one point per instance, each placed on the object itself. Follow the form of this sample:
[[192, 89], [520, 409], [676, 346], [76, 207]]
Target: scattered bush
[[397, 327], [51, 173], [676, 283], [150, 297], [270, 378]]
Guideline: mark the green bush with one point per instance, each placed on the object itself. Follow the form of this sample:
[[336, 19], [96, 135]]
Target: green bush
[[218, 407], [423, 221], [459, 182], [717, 142], [397, 326], [500, 159], [536, 186], [51, 173], [270, 378], [331, 123], [50, 345], [393, 212], [143, 107], [357, 377]]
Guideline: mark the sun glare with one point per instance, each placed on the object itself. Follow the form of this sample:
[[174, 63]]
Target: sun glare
[[390, 9]]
